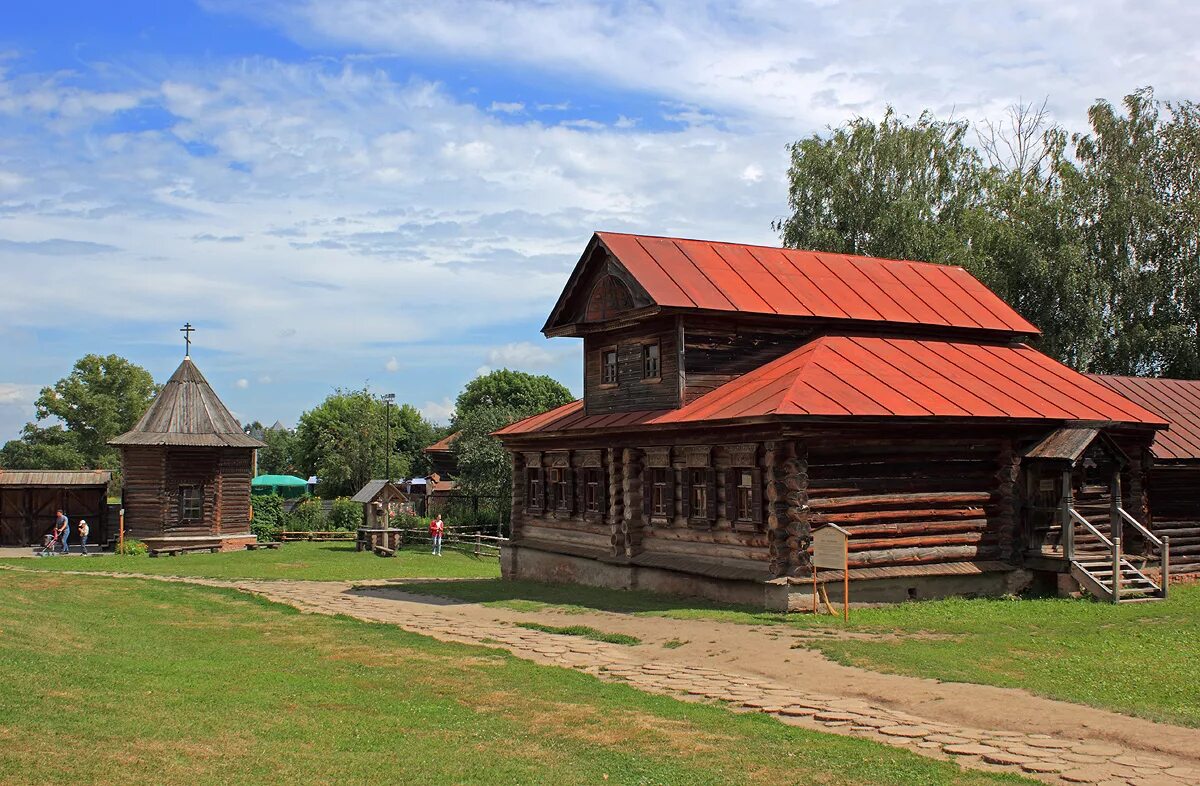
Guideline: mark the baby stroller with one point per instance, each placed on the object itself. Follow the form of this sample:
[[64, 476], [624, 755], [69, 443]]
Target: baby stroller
[[50, 545]]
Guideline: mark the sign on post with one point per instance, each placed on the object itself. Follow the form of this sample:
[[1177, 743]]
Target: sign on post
[[831, 550]]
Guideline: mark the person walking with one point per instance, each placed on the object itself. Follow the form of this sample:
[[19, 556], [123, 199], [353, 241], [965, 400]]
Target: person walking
[[83, 536], [436, 530], [62, 525]]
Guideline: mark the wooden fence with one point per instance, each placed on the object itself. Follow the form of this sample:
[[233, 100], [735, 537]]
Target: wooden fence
[[465, 540]]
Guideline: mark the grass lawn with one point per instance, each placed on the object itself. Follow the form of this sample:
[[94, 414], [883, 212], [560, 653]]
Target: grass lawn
[[132, 681], [301, 560], [1139, 659]]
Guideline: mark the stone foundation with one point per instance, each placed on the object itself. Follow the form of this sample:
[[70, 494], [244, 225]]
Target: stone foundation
[[523, 562]]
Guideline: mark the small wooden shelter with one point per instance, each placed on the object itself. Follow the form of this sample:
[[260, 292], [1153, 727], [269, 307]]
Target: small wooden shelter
[[738, 397], [187, 467], [29, 499], [382, 500]]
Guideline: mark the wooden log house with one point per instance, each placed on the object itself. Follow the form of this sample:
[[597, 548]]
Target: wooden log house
[[186, 469], [30, 498], [1173, 486], [736, 397]]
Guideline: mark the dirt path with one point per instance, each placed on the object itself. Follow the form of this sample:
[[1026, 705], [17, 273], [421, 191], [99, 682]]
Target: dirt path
[[756, 669]]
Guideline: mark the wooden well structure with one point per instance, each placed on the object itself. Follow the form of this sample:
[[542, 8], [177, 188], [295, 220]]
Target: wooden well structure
[[186, 468], [737, 397]]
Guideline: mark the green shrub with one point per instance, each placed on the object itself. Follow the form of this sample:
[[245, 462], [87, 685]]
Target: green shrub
[[307, 516], [131, 548], [409, 521], [346, 514], [268, 516]]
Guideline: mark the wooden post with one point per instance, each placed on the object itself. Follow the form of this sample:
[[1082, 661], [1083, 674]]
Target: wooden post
[[121, 532], [1116, 579], [846, 585], [1166, 565], [1114, 509], [478, 541], [814, 575], [1068, 523]]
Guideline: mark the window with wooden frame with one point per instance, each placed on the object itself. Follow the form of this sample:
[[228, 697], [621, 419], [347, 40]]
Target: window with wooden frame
[[743, 495], [608, 366], [662, 487], [560, 482], [191, 503], [651, 361], [699, 495], [593, 490], [533, 476]]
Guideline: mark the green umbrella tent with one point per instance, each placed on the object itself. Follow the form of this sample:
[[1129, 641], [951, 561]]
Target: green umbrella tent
[[287, 486]]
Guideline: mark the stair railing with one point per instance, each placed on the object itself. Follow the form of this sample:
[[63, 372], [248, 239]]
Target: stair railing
[[1114, 546], [1163, 545]]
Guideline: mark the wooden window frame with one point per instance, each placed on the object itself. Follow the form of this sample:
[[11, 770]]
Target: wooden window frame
[[657, 375], [591, 490], [699, 496], [744, 501], [559, 482], [660, 493], [534, 489], [616, 367], [186, 506]]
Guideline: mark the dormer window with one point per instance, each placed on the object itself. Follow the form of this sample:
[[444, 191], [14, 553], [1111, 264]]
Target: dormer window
[[651, 363], [608, 366]]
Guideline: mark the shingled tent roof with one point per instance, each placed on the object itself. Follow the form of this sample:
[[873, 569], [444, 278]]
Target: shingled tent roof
[[188, 413]]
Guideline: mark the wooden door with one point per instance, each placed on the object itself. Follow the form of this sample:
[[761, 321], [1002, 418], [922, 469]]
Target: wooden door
[[14, 520], [1042, 507]]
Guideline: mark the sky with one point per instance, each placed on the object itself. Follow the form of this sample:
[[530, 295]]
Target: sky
[[349, 193]]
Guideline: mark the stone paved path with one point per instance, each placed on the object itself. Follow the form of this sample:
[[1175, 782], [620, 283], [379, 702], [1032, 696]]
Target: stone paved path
[[1051, 759]]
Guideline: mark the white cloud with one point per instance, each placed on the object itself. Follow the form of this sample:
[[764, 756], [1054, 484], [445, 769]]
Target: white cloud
[[522, 356], [752, 173], [242, 384], [15, 393], [392, 366], [507, 107], [438, 411], [265, 379]]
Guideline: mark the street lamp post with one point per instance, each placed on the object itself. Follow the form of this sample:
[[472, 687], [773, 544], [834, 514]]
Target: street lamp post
[[388, 398]]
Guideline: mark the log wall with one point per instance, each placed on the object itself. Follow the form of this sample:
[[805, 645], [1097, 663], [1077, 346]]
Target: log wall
[[142, 470], [233, 492], [715, 353], [916, 502], [1175, 508]]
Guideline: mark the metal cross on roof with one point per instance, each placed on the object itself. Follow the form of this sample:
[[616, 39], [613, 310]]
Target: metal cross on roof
[[187, 331]]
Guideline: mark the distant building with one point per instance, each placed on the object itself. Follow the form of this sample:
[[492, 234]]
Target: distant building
[[443, 462], [187, 467], [29, 499]]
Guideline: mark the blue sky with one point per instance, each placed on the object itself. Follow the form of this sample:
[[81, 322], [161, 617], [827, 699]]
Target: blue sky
[[343, 192]]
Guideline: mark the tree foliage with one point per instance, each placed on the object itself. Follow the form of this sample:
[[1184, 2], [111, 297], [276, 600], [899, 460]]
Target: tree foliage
[[516, 390], [102, 397], [1092, 236], [344, 441], [279, 457], [486, 404]]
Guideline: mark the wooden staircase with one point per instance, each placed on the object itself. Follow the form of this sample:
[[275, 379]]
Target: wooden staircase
[[1099, 566]]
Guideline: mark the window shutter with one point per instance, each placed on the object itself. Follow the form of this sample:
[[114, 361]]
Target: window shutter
[[731, 494], [669, 492], [602, 490], [711, 480], [647, 491], [544, 486], [570, 493], [685, 492], [756, 496]]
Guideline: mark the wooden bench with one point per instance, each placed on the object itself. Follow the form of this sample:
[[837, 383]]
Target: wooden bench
[[384, 551], [257, 546], [173, 551]]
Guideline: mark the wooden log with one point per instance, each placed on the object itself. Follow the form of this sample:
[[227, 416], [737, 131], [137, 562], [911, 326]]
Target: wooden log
[[957, 539], [906, 514], [723, 537], [894, 500], [918, 528], [710, 550]]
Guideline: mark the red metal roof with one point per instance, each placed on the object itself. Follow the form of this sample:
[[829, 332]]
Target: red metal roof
[[702, 274], [870, 377], [1176, 400], [442, 445]]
